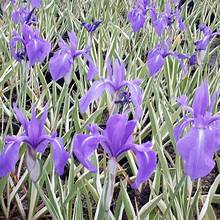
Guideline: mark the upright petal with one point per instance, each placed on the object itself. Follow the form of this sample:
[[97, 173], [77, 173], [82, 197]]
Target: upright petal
[[60, 156], [201, 99], [60, 65], [83, 146], [116, 123], [109, 68], [118, 73], [9, 157], [73, 40], [196, 149], [21, 118], [129, 129], [146, 160], [136, 18]]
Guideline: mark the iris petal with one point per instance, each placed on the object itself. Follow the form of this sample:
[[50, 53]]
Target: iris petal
[[83, 146], [196, 149], [146, 160], [60, 156], [9, 157]]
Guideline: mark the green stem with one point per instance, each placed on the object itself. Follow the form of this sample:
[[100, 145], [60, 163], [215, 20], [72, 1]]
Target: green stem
[[108, 188]]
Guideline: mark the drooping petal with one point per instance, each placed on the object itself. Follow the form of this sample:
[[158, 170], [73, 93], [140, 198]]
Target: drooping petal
[[37, 49], [178, 130], [94, 93], [60, 156], [83, 146], [196, 149], [203, 43], [155, 64], [146, 160], [205, 29], [42, 146], [201, 99], [9, 157], [93, 70], [60, 65]]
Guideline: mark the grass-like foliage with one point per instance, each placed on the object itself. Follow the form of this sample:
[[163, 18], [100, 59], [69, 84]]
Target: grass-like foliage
[[34, 190]]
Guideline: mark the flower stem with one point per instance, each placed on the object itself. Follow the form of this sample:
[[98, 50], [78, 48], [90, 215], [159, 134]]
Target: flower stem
[[108, 188]]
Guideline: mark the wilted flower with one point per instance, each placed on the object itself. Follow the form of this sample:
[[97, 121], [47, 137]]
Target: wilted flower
[[156, 58], [37, 140], [198, 145], [91, 27], [116, 139], [137, 15], [34, 48], [165, 19], [34, 3], [61, 64], [24, 16], [115, 85]]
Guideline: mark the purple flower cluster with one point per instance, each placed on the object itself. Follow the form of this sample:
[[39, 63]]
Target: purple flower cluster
[[138, 15], [164, 20], [30, 47], [196, 147]]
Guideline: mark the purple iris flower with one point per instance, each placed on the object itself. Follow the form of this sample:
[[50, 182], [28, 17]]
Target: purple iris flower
[[91, 27], [137, 15], [208, 35], [198, 145], [61, 64], [202, 44], [165, 19], [34, 3], [115, 85], [36, 139], [34, 48], [24, 16], [116, 143], [156, 58]]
